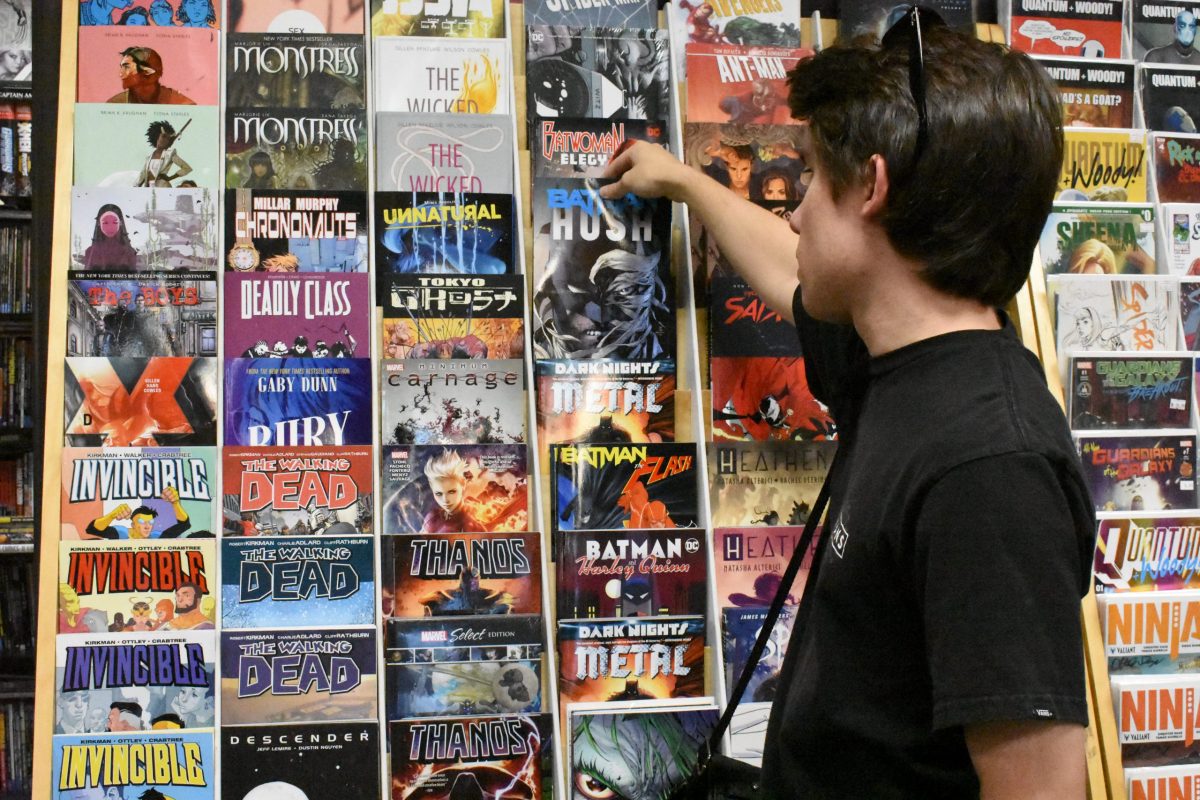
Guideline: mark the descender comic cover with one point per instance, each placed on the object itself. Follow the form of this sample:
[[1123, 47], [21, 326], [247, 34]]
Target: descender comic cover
[[452, 401], [177, 765], [765, 398], [287, 148], [750, 561], [630, 659], [442, 233], [471, 19], [766, 483], [582, 148], [1093, 95], [122, 229], [297, 316], [1130, 391], [289, 230], [1138, 551], [157, 146], [148, 64], [446, 153], [1099, 238], [294, 70], [740, 85], [443, 76], [436, 316], [605, 401], [1140, 472], [143, 314], [301, 761]]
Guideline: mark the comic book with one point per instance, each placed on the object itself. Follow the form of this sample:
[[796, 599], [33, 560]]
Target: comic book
[[601, 487], [140, 402], [464, 19], [1151, 632], [295, 70], [305, 581], [128, 229], [1189, 311], [455, 76], [98, 482], [164, 66], [291, 401], [770, 23], [603, 284], [463, 665], [120, 145], [1154, 37], [451, 757], [1156, 718], [1093, 95], [628, 573], [278, 230], [174, 764], [739, 630], [282, 148], [448, 153], [748, 732], [592, 13], [749, 564], [873, 18], [1177, 167], [741, 324], [1109, 312], [758, 162], [296, 761], [143, 314], [461, 488], [461, 574], [605, 401], [297, 676], [297, 491], [1068, 28], [630, 659], [766, 483], [18, 39], [1180, 236], [452, 401], [433, 316], [1130, 391], [306, 316], [581, 148], [730, 83], [1099, 238], [1152, 471], [180, 13], [764, 398], [1144, 552], [1103, 165], [1167, 95], [445, 234], [1147, 783]]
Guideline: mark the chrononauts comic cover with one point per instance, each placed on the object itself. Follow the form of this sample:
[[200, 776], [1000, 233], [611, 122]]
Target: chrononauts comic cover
[[1099, 238], [1130, 391], [157, 146], [154, 766], [605, 401], [452, 401], [1146, 551], [1083, 30], [444, 233], [167, 13], [143, 314], [290, 315], [766, 483], [300, 761], [450, 153], [483, 19], [750, 561], [295, 70], [127, 229], [443, 76], [1140, 472], [581, 148], [741, 85], [1093, 95], [286, 148], [630, 659], [765, 398], [290, 230], [148, 64], [442, 316], [1105, 165]]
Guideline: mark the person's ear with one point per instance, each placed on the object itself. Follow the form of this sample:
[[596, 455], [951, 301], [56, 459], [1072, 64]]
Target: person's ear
[[875, 187]]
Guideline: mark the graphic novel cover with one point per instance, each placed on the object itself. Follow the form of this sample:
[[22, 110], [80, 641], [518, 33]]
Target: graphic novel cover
[[1151, 632], [163, 147], [1139, 551], [1143, 783], [444, 234], [1099, 239], [296, 401], [765, 398], [592, 13], [605, 401], [1169, 97], [1180, 236], [450, 153], [1103, 165], [463, 488], [1068, 28], [1163, 33], [160, 66], [87, 766], [483, 19], [18, 39], [286, 230], [143, 314], [491, 756], [443, 76], [126, 230], [603, 282], [741, 324], [282, 148], [295, 16], [1189, 310], [452, 401], [748, 732], [766, 483], [740, 85], [452, 317], [630, 659], [739, 630], [297, 491], [581, 148], [140, 402], [307, 316], [601, 487], [294, 70], [1177, 167], [182, 13], [106, 682], [750, 561], [463, 666], [457, 574], [1130, 391], [1139, 472], [297, 676], [757, 162], [1105, 312], [770, 23], [1156, 708], [113, 482], [301, 761], [628, 573], [1093, 95], [874, 17]]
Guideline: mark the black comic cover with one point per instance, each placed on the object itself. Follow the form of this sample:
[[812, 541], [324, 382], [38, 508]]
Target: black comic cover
[[281, 148], [1093, 94], [446, 316], [740, 628], [286, 230], [289, 762], [444, 234], [581, 148], [142, 314], [452, 401], [741, 323], [287, 70], [605, 401], [1130, 391], [1169, 100], [874, 17]]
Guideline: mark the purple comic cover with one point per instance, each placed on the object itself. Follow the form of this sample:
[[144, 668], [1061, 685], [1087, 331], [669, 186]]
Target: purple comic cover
[[294, 315]]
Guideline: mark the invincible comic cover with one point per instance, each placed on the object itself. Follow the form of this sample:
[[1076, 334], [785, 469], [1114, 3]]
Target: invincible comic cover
[[302, 581], [1163, 33], [766, 483], [1177, 167], [1099, 239], [444, 234], [297, 491], [294, 70], [757, 162], [739, 630], [160, 66], [1103, 165], [768, 23], [628, 573], [471, 19], [1169, 97], [461, 574], [1180, 236], [464, 488], [1130, 391], [297, 676], [86, 766], [140, 402], [605, 401], [452, 317], [452, 401], [1093, 95], [1068, 28], [278, 230], [740, 85], [1151, 632], [455, 76], [497, 757], [307, 316], [741, 324], [592, 13], [750, 562], [1138, 551], [173, 488], [164, 13], [282, 148], [765, 398], [630, 659], [581, 148], [127, 230], [1145, 472], [464, 665], [162, 146], [450, 153], [600, 487], [296, 401], [296, 16], [122, 684], [301, 761], [142, 314], [1113, 313]]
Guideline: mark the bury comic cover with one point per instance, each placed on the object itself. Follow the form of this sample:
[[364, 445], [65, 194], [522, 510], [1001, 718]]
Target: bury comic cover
[[1151, 632], [749, 563], [581, 148], [296, 16], [1180, 235], [297, 676], [1142, 552], [452, 401], [1109, 312], [1139, 472], [436, 316], [1099, 239], [185, 13], [739, 630], [301, 761], [766, 483], [450, 153], [1076, 28], [461, 574], [474, 756], [442, 233], [177, 765], [462, 19], [1103, 165], [1130, 391], [148, 64], [294, 70], [1164, 33], [290, 315], [605, 13], [764, 398], [1093, 94], [122, 229], [278, 230], [443, 76], [297, 401], [605, 401], [283, 148], [757, 162], [142, 314], [1177, 167], [163, 146], [740, 85], [630, 659]]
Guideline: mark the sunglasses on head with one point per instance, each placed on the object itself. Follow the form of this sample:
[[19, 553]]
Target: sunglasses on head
[[909, 30]]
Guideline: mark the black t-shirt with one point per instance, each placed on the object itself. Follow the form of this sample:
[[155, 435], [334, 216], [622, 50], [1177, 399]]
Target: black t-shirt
[[960, 537]]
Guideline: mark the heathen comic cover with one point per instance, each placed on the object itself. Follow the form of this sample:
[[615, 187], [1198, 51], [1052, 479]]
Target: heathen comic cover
[[630, 659], [148, 64], [443, 233], [143, 314], [581, 148], [443, 76], [295, 16], [473, 756], [1093, 95], [482, 19], [292, 315], [295, 762], [605, 401], [286, 230], [1130, 391], [436, 316], [294, 70], [765, 398], [162, 146], [122, 229], [750, 561], [283, 148], [450, 153], [766, 483], [171, 764], [740, 85], [1099, 239], [1136, 551], [1066, 28], [1140, 472], [1104, 165], [452, 401]]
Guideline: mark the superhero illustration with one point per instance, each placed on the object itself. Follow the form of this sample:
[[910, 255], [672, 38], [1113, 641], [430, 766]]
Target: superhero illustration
[[455, 488], [425, 768], [762, 399], [739, 85], [630, 659], [756, 162]]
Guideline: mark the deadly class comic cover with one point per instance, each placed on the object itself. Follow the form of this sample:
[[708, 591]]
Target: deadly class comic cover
[[1104, 165], [181, 13], [766, 483], [757, 162], [464, 665], [601, 487], [1180, 232], [301, 761], [142, 314], [630, 659], [287, 70], [297, 676], [1130, 391], [464, 488], [470, 19], [1093, 95], [297, 401], [301, 316], [304, 581], [297, 491], [739, 630], [140, 402], [162, 146], [155, 766], [461, 574], [592, 13], [1081, 29], [296, 16], [1176, 164], [1147, 472], [281, 148], [1114, 312], [603, 284], [278, 230], [605, 401], [452, 401], [1099, 238], [630, 573], [104, 489], [127, 230], [443, 233], [1151, 632], [148, 64], [581, 148], [760, 399], [750, 562], [1141, 552], [740, 85], [437, 316], [741, 324], [443, 76], [1169, 97], [449, 153]]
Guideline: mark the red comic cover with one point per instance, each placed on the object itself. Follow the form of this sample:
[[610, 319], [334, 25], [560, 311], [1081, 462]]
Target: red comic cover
[[161, 66], [740, 84], [630, 659], [760, 399]]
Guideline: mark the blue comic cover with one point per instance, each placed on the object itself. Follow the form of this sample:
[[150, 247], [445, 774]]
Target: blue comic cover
[[297, 581], [176, 765], [433, 233], [288, 402], [739, 630]]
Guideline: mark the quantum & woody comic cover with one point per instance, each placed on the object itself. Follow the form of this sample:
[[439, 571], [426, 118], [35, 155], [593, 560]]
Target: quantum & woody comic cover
[[1177, 167], [1169, 97], [163, 147], [155, 766], [296, 16], [630, 659], [605, 401], [740, 85], [1130, 391], [148, 64], [581, 148], [282, 148], [297, 315], [765, 398], [1136, 551], [435, 316], [277, 230], [739, 630], [483, 19], [143, 314], [1114, 312], [1066, 28], [464, 488], [444, 758], [450, 153], [1139, 472], [766, 483], [296, 401], [452, 401], [443, 76], [301, 761], [435, 233], [1099, 238], [1093, 95], [1154, 36], [1104, 165], [750, 562], [128, 229], [291, 70]]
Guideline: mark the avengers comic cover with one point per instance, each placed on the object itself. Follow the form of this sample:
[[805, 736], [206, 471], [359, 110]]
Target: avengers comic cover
[[605, 401], [1104, 165], [601, 14], [156, 146], [297, 491], [1081, 30], [772, 23], [1151, 632], [442, 233], [290, 315], [1137, 551], [581, 148], [87, 766], [739, 630], [470, 19], [143, 314], [1139, 472], [1093, 95], [277, 230], [297, 401], [601, 487], [284, 148], [1155, 39], [297, 676], [140, 402], [1176, 166], [296, 16], [463, 665], [444, 153], [1099, 239], [148, 64], [433, 316], [741, 324], [764, 398], [1180, 235], [757, 162], [630, 659], [452, 401], [461, 574], [301, 761], [443, 76], [1110, 312], [750, 561], [1130, 391], [119, 230], [740, 85], [464, 488], [766, 483], [180, 13], [171, 487], [628, 573], [294, 70], [1168, 97]]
